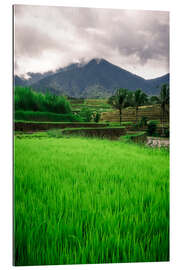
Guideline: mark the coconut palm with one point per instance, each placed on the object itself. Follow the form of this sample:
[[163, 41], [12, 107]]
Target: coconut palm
[[139, 99], [119, 100], [164, 102]]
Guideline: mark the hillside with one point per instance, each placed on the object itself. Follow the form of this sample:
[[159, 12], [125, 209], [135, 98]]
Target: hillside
[[95, 79], [157, 82], [19, 81]]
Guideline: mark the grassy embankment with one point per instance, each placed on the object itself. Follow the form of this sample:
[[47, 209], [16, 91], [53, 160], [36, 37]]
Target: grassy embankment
[[82, 200]]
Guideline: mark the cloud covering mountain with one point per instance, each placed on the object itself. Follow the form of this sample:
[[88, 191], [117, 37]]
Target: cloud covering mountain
[[47, 38], [97, 78]]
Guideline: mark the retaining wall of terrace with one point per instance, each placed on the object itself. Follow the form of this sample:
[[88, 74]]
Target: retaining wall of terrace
[[139, 137], [37, 126], [110, 133]]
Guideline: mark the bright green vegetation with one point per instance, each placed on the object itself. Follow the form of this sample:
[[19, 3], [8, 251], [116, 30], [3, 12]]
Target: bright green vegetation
[[122, 123], [82, 200], [46, 116], [138, 137], [32, 106], [25, 98]]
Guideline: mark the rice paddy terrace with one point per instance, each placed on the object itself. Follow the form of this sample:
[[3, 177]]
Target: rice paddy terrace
[[151, 112], [108, 113]]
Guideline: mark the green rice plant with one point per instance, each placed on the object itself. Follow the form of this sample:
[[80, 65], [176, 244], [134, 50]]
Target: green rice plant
[[82, 200], [57, 133]]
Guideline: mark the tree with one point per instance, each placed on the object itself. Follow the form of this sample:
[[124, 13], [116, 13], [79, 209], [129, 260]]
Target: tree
[[97, 117], [164, 102], [119, 101], [153, 100], [139, 98]]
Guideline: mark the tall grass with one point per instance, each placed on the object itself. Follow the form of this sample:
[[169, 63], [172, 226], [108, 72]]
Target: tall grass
[[81, 200], [25, 98]]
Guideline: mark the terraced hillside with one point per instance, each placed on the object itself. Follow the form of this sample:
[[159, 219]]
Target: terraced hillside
[[151, 112], [100, 105]]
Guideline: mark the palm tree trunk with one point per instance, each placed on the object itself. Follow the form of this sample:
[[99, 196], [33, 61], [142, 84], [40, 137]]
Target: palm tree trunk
[[120, 115], [162, 119], [136, 115], [163, 124]]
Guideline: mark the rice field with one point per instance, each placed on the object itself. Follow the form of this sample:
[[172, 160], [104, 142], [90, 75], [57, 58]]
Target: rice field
[[80, 200]]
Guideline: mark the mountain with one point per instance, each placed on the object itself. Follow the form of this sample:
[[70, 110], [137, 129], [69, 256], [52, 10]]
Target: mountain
[[19, 81], [34, 77], [97, 78], [157, 82]]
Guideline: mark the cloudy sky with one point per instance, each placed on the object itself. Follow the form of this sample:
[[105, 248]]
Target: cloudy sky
[[47, 38]]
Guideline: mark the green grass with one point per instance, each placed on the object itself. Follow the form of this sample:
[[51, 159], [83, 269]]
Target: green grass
[[82, 200], [118, 123], [45, 117]]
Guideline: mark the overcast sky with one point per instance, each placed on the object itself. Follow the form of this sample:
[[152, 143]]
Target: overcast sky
[[47, 38]]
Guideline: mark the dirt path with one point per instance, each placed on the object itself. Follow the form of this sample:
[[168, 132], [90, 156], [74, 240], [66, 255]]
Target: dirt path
[[157, 142]]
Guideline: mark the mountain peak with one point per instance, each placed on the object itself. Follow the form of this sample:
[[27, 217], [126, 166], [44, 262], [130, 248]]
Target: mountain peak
[[97, 61], [96, 78]]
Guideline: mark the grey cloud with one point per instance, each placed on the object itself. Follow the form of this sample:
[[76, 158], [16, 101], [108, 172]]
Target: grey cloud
[[30, 42], [76, 33]]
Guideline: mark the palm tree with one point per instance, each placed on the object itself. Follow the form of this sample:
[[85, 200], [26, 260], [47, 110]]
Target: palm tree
[[164, 101], [139, 98], [119, 101]]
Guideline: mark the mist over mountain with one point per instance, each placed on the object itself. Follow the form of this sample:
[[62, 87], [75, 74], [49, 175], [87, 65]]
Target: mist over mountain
[[19, 81], [96, 79]]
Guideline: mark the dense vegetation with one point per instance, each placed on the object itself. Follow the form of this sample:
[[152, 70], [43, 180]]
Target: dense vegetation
[[25, 98], [124, 98], [87, 201], [46, 116]]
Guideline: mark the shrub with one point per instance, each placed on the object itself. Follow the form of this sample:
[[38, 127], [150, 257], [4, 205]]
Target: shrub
[[166, 132], [152, 126], [143, 121], [97, 117], [86, 115]]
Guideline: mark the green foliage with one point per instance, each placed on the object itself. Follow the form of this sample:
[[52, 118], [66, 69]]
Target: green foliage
[[46, 116], [120, 100], [143, 121], [81, 200], [137, 137], [164, 94], [153, 100], [25, 98], [152, 126], [97, 117], [166, 132], [139, 98], [86, 114]]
